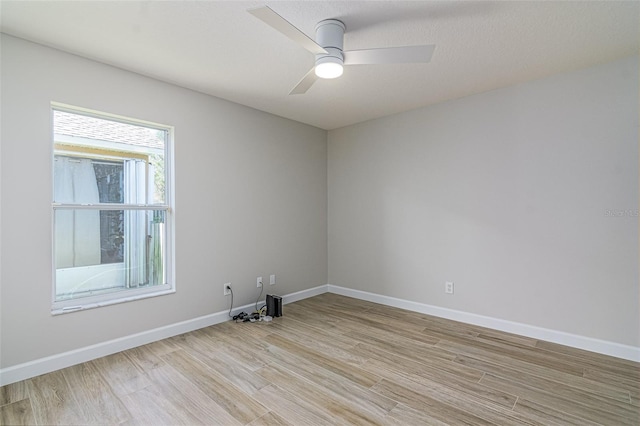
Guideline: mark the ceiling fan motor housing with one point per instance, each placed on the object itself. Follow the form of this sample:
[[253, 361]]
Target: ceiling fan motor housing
[[330, 35]]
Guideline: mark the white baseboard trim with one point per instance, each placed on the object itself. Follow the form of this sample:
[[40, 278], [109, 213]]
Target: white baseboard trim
[[617, 350], [48, 364], [305, 294]]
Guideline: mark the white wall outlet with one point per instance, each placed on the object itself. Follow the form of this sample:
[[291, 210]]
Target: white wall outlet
[[227, 289], [272, 279], [259, 282], [448, 287]]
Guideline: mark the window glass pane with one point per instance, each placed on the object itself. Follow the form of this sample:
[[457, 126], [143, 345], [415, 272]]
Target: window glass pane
[[110, 208], [134, 244], [84, 142]]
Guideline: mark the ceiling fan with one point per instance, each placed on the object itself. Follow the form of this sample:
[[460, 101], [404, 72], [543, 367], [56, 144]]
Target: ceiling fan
[[328, 48]]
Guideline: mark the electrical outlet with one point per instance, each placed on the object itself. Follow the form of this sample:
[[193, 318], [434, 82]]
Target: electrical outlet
[[448, 287], [272, 279], [259, 282], [227, 289]]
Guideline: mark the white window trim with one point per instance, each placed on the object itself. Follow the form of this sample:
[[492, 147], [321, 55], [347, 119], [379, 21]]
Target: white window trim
[[128, 295]]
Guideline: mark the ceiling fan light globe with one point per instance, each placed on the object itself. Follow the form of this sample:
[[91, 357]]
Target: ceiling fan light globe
[[329, 70]]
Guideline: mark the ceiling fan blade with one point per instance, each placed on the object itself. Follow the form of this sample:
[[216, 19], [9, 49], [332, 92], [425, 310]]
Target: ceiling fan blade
[[390, 55], [304, 84], [277, 22]]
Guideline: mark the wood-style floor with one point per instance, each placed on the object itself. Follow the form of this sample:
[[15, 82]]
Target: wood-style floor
[[336, 360]]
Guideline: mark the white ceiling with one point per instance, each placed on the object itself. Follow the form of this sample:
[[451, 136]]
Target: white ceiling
[[217, 48]]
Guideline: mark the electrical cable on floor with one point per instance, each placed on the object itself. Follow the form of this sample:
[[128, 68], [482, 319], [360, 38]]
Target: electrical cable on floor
[[255, 316], [261, 289]]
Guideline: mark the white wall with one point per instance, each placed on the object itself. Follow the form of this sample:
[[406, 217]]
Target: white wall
[[251, 199], [504, 193]]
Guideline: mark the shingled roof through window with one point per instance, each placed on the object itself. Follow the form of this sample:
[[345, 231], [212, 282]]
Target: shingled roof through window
[[66, 123]]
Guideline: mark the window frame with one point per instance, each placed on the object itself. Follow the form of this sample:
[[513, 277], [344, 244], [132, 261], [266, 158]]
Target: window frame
[[129, 294]]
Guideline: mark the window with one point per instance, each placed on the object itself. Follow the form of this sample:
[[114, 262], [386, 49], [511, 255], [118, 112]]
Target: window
[[112, 217]]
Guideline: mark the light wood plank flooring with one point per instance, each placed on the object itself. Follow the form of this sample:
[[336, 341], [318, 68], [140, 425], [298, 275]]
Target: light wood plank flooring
[[336, 360]]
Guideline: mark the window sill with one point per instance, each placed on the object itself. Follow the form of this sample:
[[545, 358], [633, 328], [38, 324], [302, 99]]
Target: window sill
[[83, 307]]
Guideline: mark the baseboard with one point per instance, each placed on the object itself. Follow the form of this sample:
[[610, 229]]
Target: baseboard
[[40, 366], [617, 350], [305, 294]]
